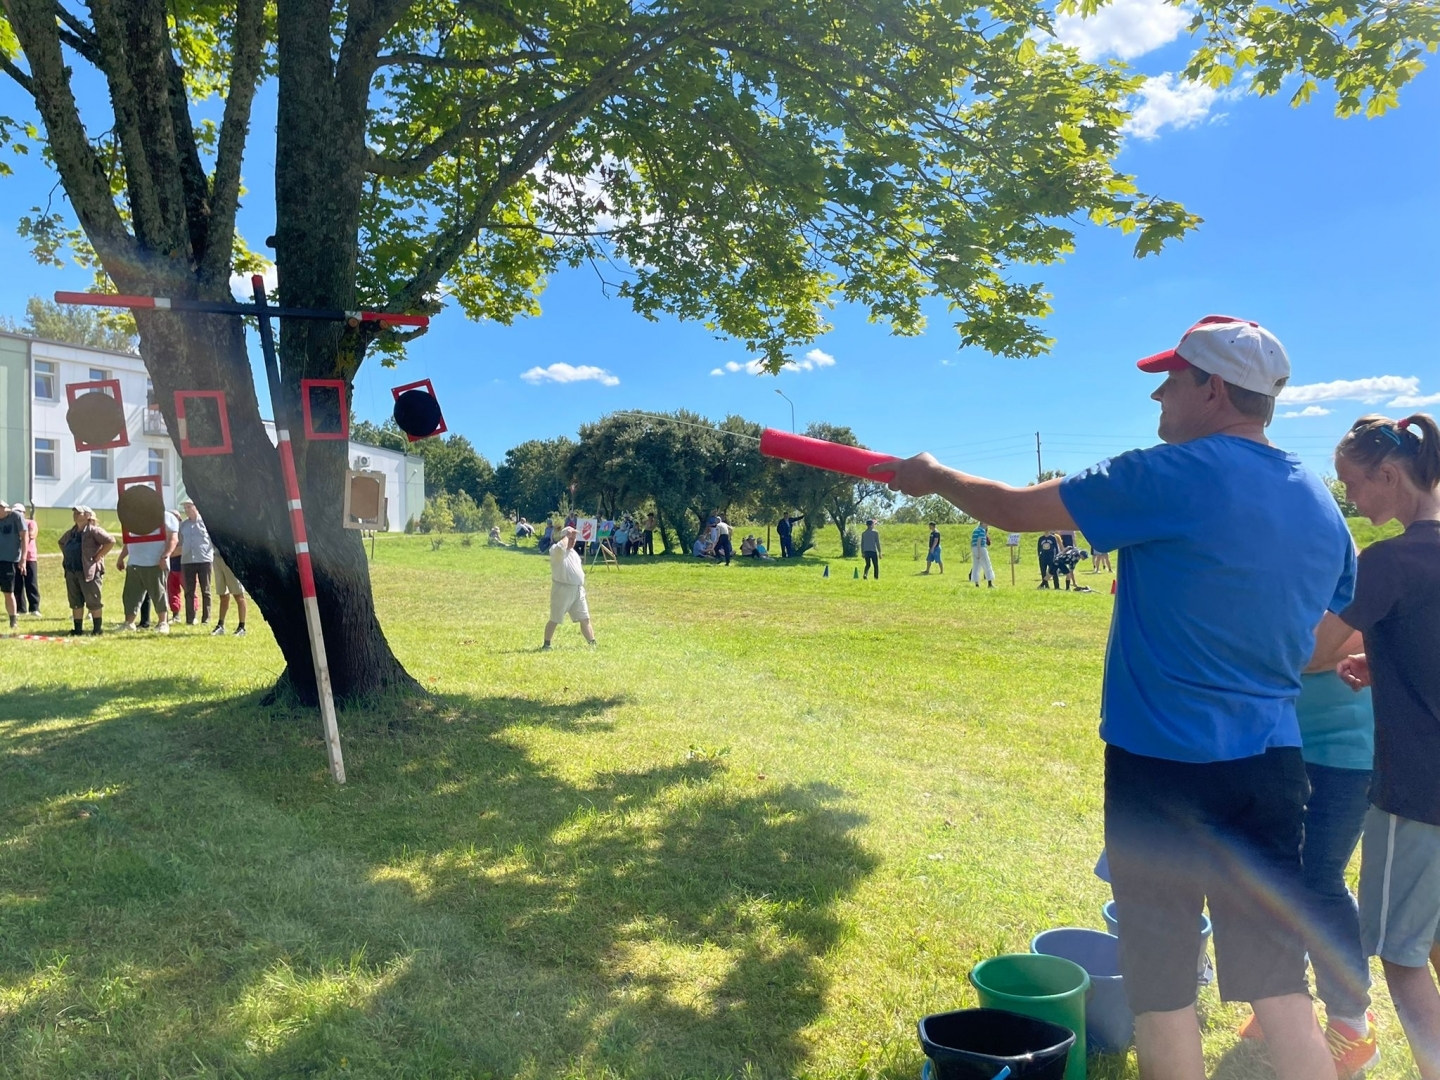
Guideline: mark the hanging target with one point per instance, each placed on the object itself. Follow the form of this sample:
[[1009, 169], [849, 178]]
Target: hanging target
[[365, 500], [206, 428], [96, 415], [334, 414], [140, 508], [417, 412]]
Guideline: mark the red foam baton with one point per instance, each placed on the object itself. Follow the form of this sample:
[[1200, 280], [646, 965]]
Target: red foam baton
[[837, 457]]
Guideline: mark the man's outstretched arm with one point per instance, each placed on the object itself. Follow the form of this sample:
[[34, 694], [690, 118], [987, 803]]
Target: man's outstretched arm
[[1028, 509]]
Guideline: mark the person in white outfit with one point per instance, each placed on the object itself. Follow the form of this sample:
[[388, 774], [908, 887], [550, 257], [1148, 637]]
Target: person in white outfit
[[980, 556], [567, 587]]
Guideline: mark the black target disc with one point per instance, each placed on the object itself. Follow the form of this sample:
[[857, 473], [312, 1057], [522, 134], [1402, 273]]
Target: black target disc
[[418, 413], [141, 510], [95, 418]]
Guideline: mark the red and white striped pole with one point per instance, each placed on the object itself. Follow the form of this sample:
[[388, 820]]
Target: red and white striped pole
[[302, 544]]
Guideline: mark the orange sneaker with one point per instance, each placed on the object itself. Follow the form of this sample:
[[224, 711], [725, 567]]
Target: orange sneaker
[[1355, 1052], [1250, 1029]]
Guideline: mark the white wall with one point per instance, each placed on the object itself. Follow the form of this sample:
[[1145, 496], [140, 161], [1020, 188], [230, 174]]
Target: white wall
[[72, 483]]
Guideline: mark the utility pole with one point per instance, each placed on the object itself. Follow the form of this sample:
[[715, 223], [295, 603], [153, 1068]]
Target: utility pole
[[1039, 467]]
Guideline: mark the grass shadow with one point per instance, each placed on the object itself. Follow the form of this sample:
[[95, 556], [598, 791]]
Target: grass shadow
[[184, 893]]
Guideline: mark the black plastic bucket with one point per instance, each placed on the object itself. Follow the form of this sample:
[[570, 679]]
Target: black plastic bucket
[[975, 1044]]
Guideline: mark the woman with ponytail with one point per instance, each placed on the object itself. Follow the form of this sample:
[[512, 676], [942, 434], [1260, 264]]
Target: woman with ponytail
[[1391, 471]]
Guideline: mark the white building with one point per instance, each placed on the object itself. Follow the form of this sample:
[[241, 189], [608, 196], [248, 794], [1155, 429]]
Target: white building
[[40, 465]]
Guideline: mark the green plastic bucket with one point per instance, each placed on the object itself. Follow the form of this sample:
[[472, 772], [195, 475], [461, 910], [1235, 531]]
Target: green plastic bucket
[[1045, 987]]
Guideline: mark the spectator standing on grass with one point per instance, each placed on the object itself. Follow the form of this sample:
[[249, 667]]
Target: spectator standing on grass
[[197, 558], [146, 565], [980, 556], [1048, 550], [567, 588], [1205, 783], [934, 554], [1391, 472], [784, 529], [650, 526], [83, 548], [723, 547], [1100, 560], [228, 585], [870, 548], [32, 566], [12, 556]]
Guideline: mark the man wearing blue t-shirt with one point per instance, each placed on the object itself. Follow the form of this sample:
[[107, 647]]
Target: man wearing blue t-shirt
[[1205, 785]]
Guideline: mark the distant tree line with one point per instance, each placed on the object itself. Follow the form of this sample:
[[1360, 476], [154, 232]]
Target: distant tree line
[[680, 466]]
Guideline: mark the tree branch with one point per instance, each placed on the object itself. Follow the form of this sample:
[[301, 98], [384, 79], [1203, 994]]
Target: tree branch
[[19, 76], [144, 199], [192, 172], [80, 169], [552, 124], [80, 37], [247, 51], [454, 63]]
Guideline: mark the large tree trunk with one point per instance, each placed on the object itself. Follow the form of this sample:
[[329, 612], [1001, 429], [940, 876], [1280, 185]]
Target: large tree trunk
[[242, 499]]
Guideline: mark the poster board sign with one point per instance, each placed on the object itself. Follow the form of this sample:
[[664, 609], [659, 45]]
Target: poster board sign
[[1012, 540], [365, 500], [216, 400], [586, 530], [140, 508]]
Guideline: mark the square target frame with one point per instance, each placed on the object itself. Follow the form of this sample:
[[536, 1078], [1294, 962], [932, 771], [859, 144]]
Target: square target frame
[[422, 384], [354, 510], [338, 385], [187, 448], [124, 482], [74, 390]]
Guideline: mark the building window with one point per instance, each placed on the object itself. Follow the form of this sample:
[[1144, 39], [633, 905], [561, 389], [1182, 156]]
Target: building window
[[45, 459], [157, 466], [98, 374], [100, 465], [45, 380]]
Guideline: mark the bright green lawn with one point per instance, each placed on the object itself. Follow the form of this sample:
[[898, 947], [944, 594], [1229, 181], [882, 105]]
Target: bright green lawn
[[767, 825]]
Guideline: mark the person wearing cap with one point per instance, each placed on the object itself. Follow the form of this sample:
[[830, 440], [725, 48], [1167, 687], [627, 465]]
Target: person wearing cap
[[83, 548], [870, 548], [1205, 784], [12, 555], [197, 558]]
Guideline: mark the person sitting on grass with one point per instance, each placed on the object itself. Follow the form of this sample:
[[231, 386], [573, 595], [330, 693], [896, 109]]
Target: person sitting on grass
[[1205, 784], [567, 588]]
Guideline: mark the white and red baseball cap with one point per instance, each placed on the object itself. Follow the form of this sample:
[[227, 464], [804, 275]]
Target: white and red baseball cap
[[1241, 352]]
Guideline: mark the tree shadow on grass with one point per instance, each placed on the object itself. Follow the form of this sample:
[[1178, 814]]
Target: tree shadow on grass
[[462, 907]]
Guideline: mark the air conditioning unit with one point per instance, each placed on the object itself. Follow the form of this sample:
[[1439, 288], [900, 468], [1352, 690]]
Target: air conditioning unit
[[362, 461]]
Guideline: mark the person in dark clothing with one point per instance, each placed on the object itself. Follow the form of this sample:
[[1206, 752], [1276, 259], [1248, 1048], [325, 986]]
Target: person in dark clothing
[[870, 548], [1048, 547], [784, 528]]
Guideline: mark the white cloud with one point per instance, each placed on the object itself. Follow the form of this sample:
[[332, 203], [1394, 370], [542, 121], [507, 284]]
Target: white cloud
[[568, 373], [1415, 401], [1371, 391], [241, 289], [1170, 101], [811, 361], [1124, 28], [1309, 410]]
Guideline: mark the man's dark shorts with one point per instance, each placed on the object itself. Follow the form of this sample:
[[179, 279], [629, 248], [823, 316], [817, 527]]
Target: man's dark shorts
[[9, 574], [1178, 834]]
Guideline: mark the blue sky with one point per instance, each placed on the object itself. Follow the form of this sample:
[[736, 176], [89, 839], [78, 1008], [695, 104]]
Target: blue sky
[[1325, 230]]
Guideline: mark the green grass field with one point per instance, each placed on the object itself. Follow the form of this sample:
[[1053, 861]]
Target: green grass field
[[772, 821]]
